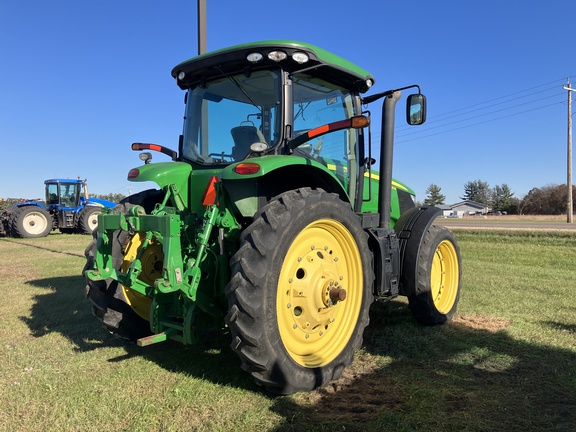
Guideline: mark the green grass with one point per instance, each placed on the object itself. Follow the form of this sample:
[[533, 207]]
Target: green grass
[[506, 363]]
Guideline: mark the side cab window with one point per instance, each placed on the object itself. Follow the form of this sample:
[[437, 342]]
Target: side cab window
[[316, 103]]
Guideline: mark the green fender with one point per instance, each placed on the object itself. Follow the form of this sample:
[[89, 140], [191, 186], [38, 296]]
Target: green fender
[[253, 180], [164, 174]]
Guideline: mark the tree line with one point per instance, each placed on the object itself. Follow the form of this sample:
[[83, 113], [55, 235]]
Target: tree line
[[545, 200], [117, 197]]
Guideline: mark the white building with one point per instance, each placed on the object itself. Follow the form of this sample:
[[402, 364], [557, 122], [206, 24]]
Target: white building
[[464, 208]]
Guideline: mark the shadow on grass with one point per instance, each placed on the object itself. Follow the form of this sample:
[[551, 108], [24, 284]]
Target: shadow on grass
[[571, 328], [29, 243], [64, 309], [468, 375]]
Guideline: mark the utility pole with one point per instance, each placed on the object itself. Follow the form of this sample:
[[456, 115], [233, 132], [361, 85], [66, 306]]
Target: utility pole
[[569, 211], [201, 26]]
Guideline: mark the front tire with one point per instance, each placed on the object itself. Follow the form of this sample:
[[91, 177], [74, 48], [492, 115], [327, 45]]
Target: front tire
[[300, 292], [31, 221], [88, 219], [439, 277]]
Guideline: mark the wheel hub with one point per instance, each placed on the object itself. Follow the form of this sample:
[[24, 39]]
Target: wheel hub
[[314, 292]]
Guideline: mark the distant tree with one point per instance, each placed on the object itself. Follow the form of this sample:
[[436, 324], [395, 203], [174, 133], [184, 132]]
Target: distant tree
[[533, 202], [478, 191], [516, 206], [117, 197], [502, 198], [434, 197], [547, 200]]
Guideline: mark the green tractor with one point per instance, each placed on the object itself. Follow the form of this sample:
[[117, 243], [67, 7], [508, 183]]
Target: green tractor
[[272, 221]]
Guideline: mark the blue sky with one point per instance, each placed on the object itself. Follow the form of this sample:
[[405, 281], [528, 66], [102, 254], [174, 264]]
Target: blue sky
[[80, 80]]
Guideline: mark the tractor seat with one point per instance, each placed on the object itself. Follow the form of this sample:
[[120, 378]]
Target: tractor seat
[[244, 137]]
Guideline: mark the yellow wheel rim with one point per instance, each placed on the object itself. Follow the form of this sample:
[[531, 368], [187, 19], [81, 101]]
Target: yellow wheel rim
[[152, 260], [444, 277], [322, 265]]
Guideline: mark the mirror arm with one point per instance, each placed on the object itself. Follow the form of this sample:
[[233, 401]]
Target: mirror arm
[[155, 147], [375, 97]]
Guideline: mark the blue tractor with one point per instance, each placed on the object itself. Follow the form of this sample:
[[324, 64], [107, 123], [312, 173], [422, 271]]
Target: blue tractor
[[67, 208]]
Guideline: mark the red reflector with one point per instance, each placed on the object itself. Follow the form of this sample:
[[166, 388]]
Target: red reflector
[[133, 173], [318, 131], [209, 197], [246, 168]]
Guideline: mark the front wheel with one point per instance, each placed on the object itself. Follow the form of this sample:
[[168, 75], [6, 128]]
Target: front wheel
[[300, 292], [438, 277], [88, 219]]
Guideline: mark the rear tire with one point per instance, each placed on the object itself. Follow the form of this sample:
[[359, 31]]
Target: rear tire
[[288, 328], [31, 221], [112, 304], [439, 277], [88, 219]]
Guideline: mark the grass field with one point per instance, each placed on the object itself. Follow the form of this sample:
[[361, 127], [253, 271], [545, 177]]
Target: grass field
[[506, 363]]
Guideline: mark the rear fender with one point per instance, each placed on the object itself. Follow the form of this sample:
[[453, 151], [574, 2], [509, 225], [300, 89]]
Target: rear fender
[[277, 174], [31, 203], [99, 202], [410, 230], [165, 174]]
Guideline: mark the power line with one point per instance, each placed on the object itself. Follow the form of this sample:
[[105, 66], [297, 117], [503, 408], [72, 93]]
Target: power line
[[505, 96], [435, 118], [415, 131], [442, 120], [479, 123], [468, 109]]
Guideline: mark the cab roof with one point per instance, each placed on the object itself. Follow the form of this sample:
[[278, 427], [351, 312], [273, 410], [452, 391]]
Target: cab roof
[[231, 60], [54, 181]]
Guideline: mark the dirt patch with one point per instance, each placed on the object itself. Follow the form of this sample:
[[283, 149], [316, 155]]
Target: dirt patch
[[362, 392], [482, 322], [17, 272]]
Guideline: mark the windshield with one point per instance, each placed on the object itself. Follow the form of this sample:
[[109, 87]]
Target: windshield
[[65, 194], [225, 117]]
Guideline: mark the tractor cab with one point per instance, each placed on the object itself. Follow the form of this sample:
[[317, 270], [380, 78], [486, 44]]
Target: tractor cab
[[63, 201], [62, 193], [258, 99]]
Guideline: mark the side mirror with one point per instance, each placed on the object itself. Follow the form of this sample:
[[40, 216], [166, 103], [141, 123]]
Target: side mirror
[[416, 109]]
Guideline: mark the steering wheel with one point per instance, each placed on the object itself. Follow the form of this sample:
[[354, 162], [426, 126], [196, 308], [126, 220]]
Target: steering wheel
[[221, 156]]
